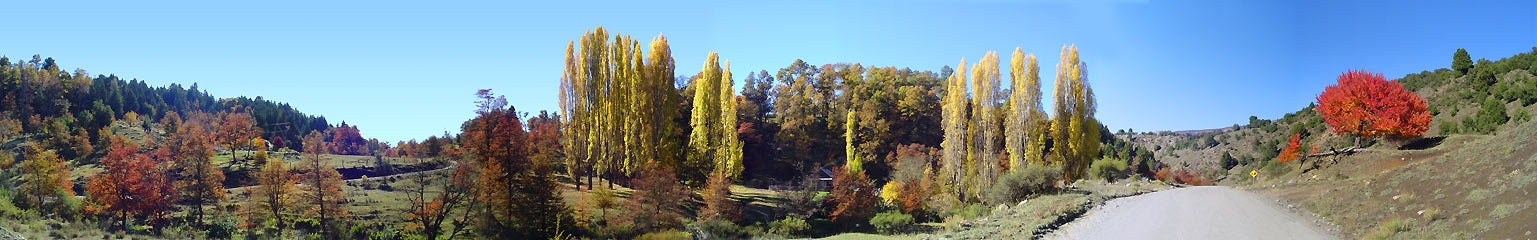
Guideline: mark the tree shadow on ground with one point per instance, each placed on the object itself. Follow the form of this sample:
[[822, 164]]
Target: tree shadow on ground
[[1423, 143]]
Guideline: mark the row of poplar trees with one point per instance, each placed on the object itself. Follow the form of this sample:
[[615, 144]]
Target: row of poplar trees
[[974, 153], [616, 103]]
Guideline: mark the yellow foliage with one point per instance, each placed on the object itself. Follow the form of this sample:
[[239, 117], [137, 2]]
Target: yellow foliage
[[131, 117], [890, 192]]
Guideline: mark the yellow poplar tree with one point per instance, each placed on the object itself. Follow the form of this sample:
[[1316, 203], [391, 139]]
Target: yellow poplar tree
[[986, 141], [954, 123], [1075, 132], [1025, 142]]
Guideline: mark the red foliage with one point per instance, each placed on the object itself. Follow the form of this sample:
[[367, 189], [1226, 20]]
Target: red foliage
[[1190, 178], [658, 201], [1293, 149], [277, 142], [132, 185], [1181, 176], [346, 140], [1367, 105], [1162, 174], [853, 197], [717, 201]]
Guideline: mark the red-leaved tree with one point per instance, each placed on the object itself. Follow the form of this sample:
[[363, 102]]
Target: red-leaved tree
[[1367, 105], [1293, 148]]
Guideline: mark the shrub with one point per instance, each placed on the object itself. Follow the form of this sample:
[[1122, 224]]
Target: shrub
[[1491, 114], [790, 227], [973, 211], [665, 235], [716, 196], [944, 204], [1448, 127], [1108, 169], [657, 202], [1228, 162], [853, 197], [1032, 179], [802, 202], [9, 210], [720, 229], [892, 221]]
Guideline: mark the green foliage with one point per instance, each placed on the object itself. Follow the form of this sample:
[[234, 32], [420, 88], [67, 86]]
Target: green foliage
[[790, 226], [1491, 114], [1521, 116], [9, 210], [720, 229], [1447, 127], [973, 211], [1275, 168], [1227, 161], [1108, 169], [891, 221], [670, 234], [1461, 61], [1033, 179]]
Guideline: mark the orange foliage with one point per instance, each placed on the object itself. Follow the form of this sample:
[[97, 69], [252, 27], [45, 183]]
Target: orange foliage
[[201, 181], [1367, 105], [658, 199], [321, 189], [427, 213], [913, 195], [1293, 149], [236, 131], [717, 201], [853, 197], [1181, 176], [132, 185]]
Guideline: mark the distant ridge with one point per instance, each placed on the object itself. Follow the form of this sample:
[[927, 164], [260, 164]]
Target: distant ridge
[[1200, 131]]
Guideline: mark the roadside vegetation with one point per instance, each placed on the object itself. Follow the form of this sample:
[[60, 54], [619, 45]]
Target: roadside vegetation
[[1454, 181]]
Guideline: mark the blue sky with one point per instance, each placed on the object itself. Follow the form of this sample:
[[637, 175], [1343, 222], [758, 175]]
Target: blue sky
[[406, 70]]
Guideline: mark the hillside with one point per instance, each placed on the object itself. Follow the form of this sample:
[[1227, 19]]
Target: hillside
[[1466, 178]]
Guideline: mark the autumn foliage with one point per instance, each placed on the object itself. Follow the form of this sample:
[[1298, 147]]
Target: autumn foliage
[[1367, 105], [658, 201], [132, 186], [1292, 150], [853, 197]]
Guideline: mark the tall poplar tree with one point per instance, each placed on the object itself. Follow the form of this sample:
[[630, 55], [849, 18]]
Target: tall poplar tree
[[702, 141], [1075, 132], [954, 122], [616, 102], [729, 153], [1025, 142], [713, 139], [986, 144]]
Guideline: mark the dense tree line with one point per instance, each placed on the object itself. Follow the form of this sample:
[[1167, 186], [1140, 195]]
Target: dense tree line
[[35, 91]]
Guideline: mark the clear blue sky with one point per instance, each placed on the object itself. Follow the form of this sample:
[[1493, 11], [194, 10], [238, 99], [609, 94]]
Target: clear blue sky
[[406, 70]]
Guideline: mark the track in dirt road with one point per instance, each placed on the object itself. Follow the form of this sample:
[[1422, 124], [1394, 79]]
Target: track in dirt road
[[1210, 212]]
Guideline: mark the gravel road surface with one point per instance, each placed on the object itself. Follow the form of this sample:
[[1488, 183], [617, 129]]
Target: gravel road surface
[[1209, 212]]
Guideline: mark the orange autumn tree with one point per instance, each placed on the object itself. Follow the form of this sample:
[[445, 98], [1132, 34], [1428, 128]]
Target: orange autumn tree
[[512, 187], [1293, 149], [132, 186], [322, 186], [201, 182], [272, 197], [235, 131], [45, 180], [1365, 104]]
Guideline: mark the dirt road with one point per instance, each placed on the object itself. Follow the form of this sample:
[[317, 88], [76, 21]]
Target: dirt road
[[1211, 212]]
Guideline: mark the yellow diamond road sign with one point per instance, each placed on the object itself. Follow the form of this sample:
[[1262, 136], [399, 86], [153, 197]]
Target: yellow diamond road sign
[[1253, 173]]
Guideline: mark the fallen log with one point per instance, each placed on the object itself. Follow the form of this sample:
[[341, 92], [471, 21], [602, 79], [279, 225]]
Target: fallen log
[[1345, 151]]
